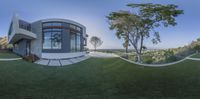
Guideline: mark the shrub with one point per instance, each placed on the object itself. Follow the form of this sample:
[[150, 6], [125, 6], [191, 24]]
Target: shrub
[[148, 59], [171, 59], [31, 58]]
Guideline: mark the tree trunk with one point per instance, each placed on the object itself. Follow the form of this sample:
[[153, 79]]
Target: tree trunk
[[139, 58], [126, 56], [95, 49], [140, 49], [127, 43], [126, 49]]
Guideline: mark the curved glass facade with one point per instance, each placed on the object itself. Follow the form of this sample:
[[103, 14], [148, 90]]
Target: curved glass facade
[[62, 36]]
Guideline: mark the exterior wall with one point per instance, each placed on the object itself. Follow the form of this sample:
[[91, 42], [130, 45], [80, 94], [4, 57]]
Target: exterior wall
[[36, 45], [20, 48]]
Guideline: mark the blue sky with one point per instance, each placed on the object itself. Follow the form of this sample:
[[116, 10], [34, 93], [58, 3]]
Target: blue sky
[[91, 13]]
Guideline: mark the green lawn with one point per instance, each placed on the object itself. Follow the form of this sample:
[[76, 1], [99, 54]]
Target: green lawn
[[98, 78], [8, 55], [196, 56]]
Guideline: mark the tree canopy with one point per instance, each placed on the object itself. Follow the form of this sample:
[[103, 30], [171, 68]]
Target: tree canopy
[[137, 24], [96, 42]]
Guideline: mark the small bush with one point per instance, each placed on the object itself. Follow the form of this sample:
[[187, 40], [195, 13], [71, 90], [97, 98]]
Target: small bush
[[31, 58], [171, 59], [148, 59]]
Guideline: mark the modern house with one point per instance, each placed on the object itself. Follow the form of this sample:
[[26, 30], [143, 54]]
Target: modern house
[[48, 38]]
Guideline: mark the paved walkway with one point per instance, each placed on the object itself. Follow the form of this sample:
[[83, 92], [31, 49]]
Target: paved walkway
[[61, 62], [102, 55], [9, 59], [196, 59]]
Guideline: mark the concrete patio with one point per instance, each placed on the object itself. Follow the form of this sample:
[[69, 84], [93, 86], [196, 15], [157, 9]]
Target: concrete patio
[[68, 61], [61, 62]]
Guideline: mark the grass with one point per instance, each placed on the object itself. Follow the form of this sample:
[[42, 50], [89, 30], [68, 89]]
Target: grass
[[98, 78], [8, 55], [196, 56]]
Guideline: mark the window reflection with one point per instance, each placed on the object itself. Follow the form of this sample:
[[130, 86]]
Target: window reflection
[[24, 25], [75, 39], [52, 36], [47, 40], [56, 24], [52, 24], [73, 42], [72, 26], [78, 41], [46, 24], [56, 40]]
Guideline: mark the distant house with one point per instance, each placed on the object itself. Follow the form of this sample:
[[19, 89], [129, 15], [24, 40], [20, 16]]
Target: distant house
[[48, 38], [3, 43]]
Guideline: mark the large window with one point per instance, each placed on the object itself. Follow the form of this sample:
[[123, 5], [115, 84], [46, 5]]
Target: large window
[[56, 40], [74, 27], [52, 40], [49, 24], [84, 41], [10, 28], [46, 24], [75, 42], [52, 36], [24, 25], [56, 24], [47, 40], [78, 42]]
